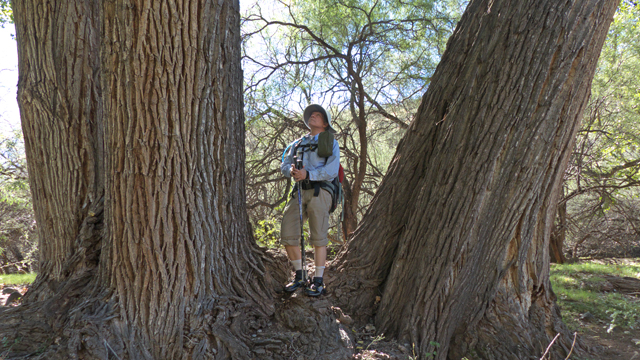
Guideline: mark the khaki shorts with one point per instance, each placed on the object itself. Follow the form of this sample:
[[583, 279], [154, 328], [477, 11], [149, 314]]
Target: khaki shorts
[[314, 208]]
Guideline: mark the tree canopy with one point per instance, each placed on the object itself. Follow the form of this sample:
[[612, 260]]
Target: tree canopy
[[600, 200], [368, 62]]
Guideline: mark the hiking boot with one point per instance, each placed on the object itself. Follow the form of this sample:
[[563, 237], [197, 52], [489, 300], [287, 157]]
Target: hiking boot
[[316, 288], [296, 283]]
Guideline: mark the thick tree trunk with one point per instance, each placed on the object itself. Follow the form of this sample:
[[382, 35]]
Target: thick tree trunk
[[175, 200], [169, 268], [61, 112], [456, 240]]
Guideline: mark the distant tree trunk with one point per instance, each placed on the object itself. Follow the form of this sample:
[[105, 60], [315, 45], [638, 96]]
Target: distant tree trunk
[[558, 235], [142, 102], [353, 188], [350, 221], [456, 240], [358, 112]]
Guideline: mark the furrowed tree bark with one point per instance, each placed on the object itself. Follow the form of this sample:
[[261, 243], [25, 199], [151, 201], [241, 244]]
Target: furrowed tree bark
[[175, 201], [146, 247], [456, 240], [61, 113]]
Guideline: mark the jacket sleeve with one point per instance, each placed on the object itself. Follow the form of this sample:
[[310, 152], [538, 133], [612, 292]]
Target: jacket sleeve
[[329, 171], [287, 161]]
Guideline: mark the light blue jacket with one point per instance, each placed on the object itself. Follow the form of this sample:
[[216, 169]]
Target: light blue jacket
[[319, 168]]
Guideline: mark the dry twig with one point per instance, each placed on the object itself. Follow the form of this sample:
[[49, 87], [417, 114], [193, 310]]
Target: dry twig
[[549, 347], [575, 336]]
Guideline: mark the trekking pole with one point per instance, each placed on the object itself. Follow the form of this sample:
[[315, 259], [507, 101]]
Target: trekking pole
[[299, 166]]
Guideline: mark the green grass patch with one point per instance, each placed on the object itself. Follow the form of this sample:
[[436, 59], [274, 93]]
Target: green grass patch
[[628, 268], [579, 288], [17, 279]]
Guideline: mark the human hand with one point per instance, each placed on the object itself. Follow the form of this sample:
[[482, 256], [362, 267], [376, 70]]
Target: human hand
[[298, 175]]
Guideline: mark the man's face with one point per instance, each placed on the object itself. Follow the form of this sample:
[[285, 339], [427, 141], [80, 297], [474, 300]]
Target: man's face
[[316, 120]]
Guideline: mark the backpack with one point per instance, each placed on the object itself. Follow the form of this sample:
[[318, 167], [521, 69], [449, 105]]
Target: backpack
[[337, 197]]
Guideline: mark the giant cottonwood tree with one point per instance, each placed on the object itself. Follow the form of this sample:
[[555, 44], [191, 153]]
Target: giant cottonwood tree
[[456, 239], [134, 133], [133, 126]]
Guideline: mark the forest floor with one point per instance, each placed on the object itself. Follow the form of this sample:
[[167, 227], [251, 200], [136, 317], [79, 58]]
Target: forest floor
[[14, 283], [8, 290], [606, 320], [604, 315]]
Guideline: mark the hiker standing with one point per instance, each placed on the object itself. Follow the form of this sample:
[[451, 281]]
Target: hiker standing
[[320, 155]]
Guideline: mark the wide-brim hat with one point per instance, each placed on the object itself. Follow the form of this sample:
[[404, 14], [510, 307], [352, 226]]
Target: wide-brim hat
[[313, 108]]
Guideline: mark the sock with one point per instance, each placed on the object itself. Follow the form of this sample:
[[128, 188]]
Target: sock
[[319, 271], [297, 264]]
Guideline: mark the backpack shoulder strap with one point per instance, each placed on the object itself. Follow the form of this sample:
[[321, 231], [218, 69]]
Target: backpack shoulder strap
[[293, 145]]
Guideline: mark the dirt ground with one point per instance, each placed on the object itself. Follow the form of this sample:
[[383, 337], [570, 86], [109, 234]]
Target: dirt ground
[[6, 291], [617, 345]]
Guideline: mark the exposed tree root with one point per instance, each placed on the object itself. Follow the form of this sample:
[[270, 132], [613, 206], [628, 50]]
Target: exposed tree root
[[81, 320], [68, 326], [358, 296]]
